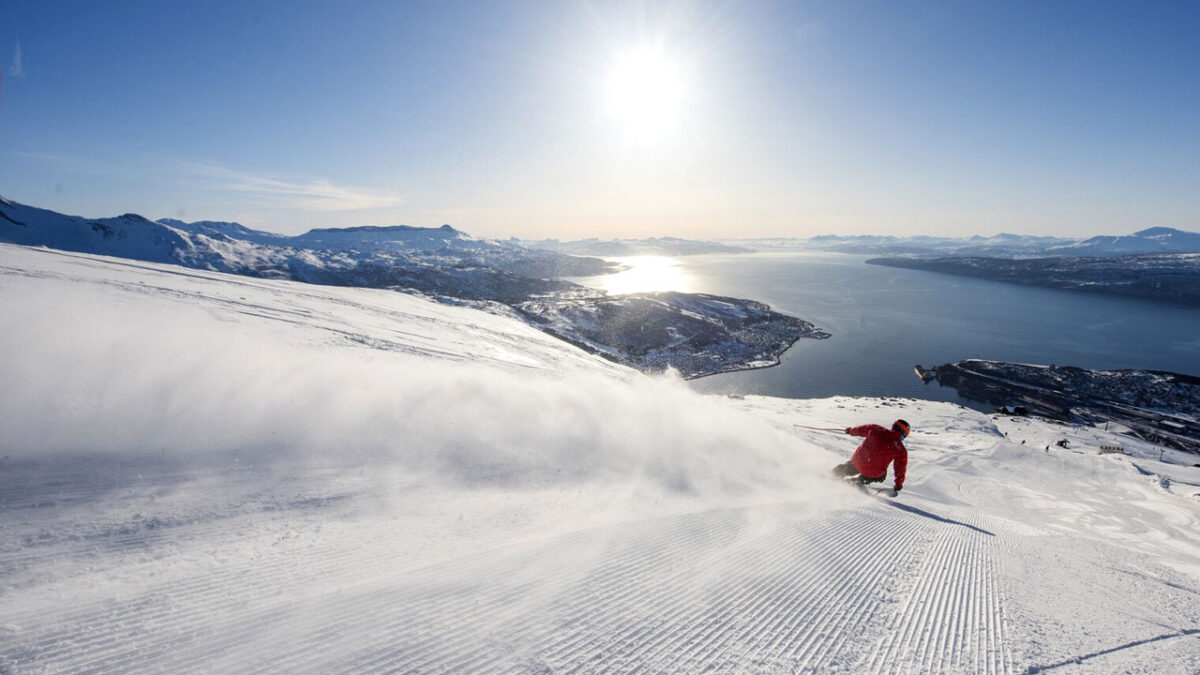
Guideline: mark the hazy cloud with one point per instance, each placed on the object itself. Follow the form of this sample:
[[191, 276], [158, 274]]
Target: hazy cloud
[[310, 195], [316, 194], [17, 69], [810, 31]]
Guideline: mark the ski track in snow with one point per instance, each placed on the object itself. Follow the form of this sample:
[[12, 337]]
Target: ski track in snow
[[881, 587]]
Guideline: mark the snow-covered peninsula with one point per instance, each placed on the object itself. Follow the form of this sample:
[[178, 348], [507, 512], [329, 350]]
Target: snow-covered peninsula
[[211, 472], [1166, 277]]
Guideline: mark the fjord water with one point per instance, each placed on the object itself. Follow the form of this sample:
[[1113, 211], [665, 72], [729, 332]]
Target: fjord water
[[885, 320]]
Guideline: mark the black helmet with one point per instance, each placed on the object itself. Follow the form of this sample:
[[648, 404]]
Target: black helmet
[[901, 426]]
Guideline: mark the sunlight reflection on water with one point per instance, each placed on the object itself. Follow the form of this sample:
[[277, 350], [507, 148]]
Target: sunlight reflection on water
[[645, 274]]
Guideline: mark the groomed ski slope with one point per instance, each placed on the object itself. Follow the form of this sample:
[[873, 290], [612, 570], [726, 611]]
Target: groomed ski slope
[[202, 472]]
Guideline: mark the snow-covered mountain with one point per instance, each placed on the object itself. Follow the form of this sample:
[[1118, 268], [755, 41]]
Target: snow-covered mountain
[[324, 253], [127, 236], [435, 245], [390, 238], [1153, 240], [208, 472]]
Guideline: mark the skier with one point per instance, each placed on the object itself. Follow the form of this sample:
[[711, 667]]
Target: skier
[[870, 461]]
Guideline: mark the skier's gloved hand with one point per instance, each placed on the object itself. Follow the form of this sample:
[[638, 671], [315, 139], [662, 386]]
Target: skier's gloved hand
[[847, 430]]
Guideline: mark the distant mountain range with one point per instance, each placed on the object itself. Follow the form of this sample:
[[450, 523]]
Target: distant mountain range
[[669, 246], [1154, 240]]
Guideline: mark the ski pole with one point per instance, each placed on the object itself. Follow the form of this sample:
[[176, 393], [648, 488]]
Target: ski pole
[[831, 429]]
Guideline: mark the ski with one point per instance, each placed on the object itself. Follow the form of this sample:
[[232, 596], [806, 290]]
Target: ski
[[829, 429]]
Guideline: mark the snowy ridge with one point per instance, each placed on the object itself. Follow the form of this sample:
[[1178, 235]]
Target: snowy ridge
[[129, 235], [396, 237], [217, 229], [1152, 240], [230, 474]]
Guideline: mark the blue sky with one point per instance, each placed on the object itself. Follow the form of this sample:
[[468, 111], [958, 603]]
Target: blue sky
[[506, 119]]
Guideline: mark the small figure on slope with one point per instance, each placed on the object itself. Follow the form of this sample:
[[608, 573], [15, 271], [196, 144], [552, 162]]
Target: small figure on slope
[[870, 461]]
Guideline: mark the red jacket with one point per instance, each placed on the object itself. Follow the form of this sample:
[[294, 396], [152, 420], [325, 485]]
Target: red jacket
[[881, 447]]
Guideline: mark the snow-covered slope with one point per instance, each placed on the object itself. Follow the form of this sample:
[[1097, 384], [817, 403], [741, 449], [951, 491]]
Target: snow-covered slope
[[218, 229], [134, 237], [203, 472], [129, 236]]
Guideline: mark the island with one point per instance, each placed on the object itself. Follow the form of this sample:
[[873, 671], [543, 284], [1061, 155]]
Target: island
[[1158, 406]]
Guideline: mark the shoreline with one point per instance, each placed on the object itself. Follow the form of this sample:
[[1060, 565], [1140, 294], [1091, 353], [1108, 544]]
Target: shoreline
[[777, 360]]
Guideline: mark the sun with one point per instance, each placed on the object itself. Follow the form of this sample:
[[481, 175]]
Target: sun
[[647, 274], [645, 93]]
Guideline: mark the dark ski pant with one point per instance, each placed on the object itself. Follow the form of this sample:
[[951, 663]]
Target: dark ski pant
[[849, 473]]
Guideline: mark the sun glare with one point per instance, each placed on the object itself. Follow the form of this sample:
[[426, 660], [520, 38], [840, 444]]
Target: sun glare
[[645, 93], [647, 274]]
